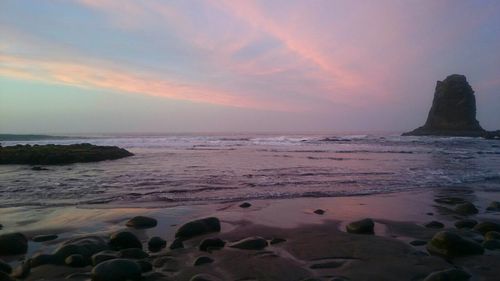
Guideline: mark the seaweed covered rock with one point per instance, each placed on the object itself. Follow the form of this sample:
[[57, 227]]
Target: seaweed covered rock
[[450, 244], [52, 154], [364, 226]]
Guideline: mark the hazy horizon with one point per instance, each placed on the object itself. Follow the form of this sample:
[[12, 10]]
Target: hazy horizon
[[110, 66]]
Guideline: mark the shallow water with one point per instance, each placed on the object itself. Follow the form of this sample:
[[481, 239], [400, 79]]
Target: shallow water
[[197, 169]]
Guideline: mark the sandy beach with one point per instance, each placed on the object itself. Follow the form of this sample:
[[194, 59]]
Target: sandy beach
[[299, 243]]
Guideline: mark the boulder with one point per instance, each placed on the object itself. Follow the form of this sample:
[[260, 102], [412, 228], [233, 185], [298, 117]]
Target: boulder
[[85, 246], [448, 275], [453, 110], [117, 270], [466, 223], [141, 222], [466, 208], [211, 244], [487, 226], [198, 227], [450, 244], [364, 226], [13, 244], [251, 243], [156, 243], [124, 240]]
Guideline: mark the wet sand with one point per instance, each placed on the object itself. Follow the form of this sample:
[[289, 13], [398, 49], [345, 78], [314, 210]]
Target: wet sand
[[314, 246]]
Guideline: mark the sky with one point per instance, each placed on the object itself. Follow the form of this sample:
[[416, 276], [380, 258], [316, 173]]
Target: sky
[[154, 66]]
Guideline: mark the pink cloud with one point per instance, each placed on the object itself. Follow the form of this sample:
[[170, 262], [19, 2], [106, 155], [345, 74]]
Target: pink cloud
[[110, 78]]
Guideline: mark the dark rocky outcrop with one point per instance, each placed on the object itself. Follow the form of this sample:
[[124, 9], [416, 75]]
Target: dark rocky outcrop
[[453, 111], [52, 154]]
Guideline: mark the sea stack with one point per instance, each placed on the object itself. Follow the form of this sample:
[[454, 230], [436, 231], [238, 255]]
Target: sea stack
[[453, 111]]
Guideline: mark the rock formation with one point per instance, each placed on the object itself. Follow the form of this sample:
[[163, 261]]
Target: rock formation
[[52, 154], [453, 111]]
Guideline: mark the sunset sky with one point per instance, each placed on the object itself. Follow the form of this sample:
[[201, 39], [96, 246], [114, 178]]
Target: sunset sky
[[111, 66]]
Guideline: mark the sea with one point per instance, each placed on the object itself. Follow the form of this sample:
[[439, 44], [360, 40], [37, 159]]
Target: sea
[[187, 169]]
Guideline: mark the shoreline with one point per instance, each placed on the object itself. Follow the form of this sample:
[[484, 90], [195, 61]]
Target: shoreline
[[399, 219]]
